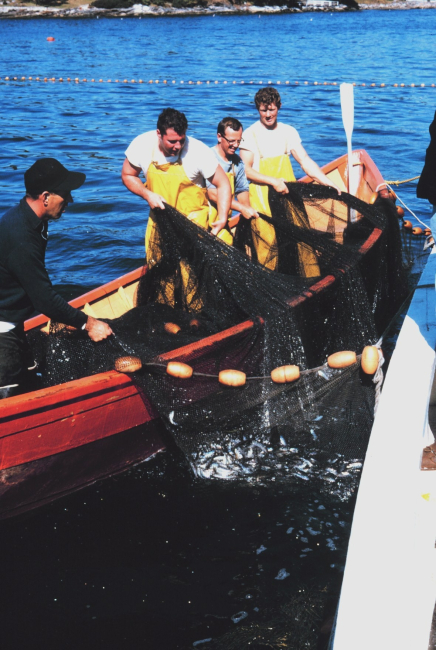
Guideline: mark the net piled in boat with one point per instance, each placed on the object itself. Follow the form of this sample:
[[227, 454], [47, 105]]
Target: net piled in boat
[[333, 282]]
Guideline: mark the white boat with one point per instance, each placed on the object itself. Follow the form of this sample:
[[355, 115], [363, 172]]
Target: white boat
[[389, 587]]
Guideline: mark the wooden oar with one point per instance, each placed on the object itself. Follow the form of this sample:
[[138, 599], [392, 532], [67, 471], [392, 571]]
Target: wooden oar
[[347, 107]]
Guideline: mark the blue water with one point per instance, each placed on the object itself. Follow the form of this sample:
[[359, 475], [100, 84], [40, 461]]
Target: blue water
[[89, 125], [151, 561]]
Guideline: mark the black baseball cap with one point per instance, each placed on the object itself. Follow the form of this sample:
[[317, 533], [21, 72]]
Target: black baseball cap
[[49, 175]]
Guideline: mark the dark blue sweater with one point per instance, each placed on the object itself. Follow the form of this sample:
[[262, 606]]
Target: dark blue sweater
[[24, 283]]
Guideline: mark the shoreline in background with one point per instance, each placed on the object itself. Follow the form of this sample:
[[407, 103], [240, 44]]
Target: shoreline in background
[[75, 10]]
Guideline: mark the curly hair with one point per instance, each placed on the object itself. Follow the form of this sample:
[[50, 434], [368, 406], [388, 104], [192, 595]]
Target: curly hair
[[228, 123], [172, 119], [267, 96]]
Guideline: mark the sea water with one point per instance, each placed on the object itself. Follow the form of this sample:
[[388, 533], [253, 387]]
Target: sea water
[[152, 559]]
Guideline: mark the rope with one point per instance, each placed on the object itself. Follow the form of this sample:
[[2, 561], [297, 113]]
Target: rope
[[214, 82], [378, 379], [408, 180], [407, 208]]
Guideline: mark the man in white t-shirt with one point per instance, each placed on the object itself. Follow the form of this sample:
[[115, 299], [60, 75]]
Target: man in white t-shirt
[[176, 167], [265, 149]]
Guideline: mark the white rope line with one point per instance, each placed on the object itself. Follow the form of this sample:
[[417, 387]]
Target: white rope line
[[200, 82], [407, 208], [378, 379]]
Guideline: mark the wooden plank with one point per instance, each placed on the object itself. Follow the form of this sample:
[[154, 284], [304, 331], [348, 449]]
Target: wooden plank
[[389, 585], [46, 438]]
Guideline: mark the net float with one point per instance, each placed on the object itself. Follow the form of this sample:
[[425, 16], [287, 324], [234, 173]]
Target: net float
[[194, 324], [370, 358], [341, 359], [427, 232], [179, 369], [407, 224], [128, 364], [400, 211], [417, 230], [50, 38], [172, 328], [392, 195], [384, 193], [285, 374], [373, 198], [232, 378]]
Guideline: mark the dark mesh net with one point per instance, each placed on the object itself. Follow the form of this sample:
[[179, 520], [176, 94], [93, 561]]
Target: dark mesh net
[[337, 282]]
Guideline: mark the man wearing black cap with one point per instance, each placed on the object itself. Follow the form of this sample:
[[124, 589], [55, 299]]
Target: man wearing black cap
[[24, 283]]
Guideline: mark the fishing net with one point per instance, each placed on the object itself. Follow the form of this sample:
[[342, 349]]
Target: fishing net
[[337, 281]]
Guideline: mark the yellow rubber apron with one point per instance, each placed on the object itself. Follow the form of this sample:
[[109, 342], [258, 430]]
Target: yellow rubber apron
[[171, 182], [264, 236]]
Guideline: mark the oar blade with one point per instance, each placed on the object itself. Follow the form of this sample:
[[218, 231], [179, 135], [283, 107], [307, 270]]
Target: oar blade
[[347, 106]]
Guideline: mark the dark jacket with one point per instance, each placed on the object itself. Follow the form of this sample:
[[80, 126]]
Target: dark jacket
[[24, 283], [427, 183]]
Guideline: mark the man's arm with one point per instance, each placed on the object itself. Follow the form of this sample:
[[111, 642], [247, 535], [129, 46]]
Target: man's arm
[[311, 168], [130, 178], [241, 204], [279, 184], [223, 198], [27, 266]]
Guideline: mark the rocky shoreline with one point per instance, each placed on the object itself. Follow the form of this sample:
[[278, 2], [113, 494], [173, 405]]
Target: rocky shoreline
[[12, 10]]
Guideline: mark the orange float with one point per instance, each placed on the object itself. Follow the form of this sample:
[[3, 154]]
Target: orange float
[[427, 232], [232, 378], [342, 359], [400, 211], [285, 374], [179, 369], [128, 364], [407, 224], [392, 196], [370, 358], [172, 328], [194, 324], [50, 38], [417, 231]]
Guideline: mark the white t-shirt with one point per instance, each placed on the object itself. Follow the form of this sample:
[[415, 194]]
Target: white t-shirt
[[197, 159], [268, 143]]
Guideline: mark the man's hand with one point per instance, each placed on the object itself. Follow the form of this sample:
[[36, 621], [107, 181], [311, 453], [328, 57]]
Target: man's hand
[[248, 212], [155, 200], [280, 186], [97, 329]]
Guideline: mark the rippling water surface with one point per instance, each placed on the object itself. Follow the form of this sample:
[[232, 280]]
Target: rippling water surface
[[150, 560]]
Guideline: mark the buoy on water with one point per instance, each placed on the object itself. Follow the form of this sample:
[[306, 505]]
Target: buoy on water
[[50, 38], [128, 364], [342, 359], [285, 374], [369, 361], [179, 369], [232, 378], [172, 328]]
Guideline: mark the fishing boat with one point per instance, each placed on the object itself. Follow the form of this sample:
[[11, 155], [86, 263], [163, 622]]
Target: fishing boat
[[390, 580], [101, 424]]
